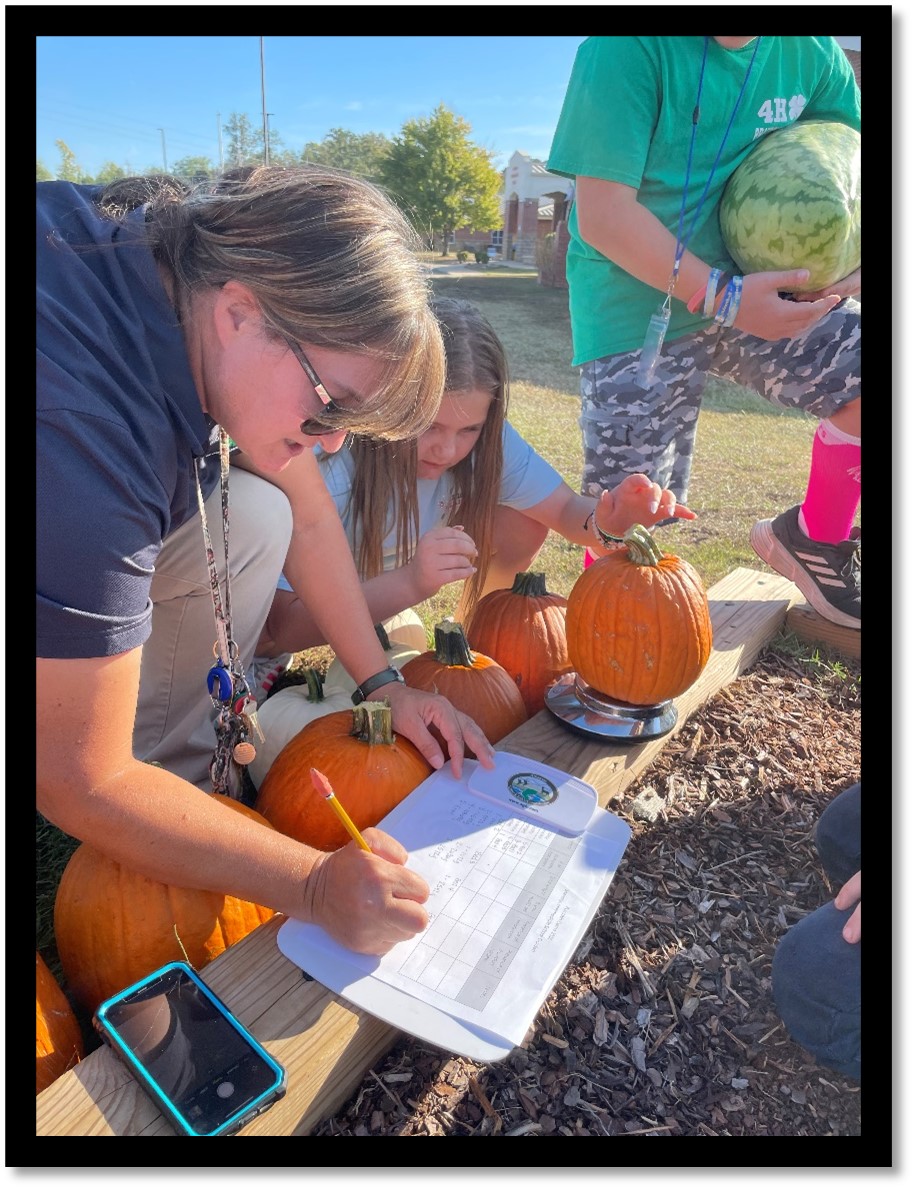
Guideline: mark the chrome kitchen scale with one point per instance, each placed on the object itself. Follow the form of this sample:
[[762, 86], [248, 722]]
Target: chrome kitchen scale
[[591, 713]]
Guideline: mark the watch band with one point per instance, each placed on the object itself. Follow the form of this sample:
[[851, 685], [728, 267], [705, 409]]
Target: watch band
[[361, 693]]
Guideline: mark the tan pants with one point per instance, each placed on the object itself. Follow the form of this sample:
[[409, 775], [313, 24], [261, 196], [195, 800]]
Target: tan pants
[[175, 715]]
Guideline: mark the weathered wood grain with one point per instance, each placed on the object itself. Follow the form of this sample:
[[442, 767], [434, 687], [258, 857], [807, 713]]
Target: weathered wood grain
[[810, 625]]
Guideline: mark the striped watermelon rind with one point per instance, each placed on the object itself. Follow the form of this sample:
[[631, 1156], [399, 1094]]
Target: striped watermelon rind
[[795, 202]]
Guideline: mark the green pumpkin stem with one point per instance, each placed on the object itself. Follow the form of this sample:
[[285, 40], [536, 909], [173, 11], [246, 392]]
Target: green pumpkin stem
[[643, 549], [451, 647], [372, 722], [527, 582], [315, 684]]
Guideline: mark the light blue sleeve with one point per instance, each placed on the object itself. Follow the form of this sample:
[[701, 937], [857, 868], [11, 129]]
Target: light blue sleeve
[[337, 471], [527, 478]]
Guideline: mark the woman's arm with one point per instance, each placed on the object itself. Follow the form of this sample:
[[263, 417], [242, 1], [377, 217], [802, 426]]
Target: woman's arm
[[321, 570], [443, 555], [90, 785]]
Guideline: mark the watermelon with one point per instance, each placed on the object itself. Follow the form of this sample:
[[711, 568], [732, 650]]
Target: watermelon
[[795, 202]]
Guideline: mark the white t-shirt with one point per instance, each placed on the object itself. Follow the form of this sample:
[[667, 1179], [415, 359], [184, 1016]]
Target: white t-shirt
[[527, 478]]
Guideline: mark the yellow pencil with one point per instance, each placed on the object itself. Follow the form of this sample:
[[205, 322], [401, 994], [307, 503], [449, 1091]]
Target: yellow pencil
[[323, 786]]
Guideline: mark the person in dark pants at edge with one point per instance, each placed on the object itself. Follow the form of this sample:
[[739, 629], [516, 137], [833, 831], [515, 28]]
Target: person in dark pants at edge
[[816, 968]]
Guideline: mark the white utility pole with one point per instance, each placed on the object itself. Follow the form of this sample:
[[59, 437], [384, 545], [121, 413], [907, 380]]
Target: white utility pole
[[264, 109]]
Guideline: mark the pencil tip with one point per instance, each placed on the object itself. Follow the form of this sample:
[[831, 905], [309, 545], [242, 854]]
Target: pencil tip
[[321, 783]]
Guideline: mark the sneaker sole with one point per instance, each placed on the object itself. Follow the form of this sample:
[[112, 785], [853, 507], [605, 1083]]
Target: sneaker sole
[[771, 550]]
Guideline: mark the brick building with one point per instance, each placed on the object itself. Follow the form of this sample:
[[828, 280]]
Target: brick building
[[852, 48], [534, 202]]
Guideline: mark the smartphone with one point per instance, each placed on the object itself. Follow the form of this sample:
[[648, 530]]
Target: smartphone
[[200, 1065]]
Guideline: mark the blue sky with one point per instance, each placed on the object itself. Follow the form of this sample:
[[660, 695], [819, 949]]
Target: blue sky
[[108, 97]]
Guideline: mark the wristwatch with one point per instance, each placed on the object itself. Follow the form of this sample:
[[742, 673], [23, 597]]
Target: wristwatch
[[361, 693]]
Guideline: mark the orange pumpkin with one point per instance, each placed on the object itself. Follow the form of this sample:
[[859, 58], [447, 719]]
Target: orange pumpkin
[[523, 628], [472, 682], [638, 623], [113, 925], [58, 1037], [371, 769]]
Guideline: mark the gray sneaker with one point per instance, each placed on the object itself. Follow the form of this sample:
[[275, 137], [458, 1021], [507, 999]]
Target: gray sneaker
[[829, 576]]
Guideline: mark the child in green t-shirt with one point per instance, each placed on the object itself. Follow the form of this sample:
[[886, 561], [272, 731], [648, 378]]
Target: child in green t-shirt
[[651, 129]]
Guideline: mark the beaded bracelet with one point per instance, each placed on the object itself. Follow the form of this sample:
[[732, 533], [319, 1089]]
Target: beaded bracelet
[[606, 539]]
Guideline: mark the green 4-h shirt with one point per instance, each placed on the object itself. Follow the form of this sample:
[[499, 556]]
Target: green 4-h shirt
[[627, 117]]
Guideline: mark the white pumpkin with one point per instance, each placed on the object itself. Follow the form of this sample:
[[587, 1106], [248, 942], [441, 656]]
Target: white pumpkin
[[285, 713]]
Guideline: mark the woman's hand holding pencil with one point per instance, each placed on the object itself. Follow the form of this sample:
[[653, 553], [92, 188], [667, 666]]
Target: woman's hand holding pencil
[[363, 894]]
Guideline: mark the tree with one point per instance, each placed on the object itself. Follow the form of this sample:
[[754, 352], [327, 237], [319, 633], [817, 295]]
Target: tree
[[111, 172], [441, 179], [288, 158], [42, 173], [245, 142], [357, 153], [70, 170], [194, 168]]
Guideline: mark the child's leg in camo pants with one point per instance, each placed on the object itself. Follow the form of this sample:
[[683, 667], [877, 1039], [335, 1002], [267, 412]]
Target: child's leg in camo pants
[[626, 429]]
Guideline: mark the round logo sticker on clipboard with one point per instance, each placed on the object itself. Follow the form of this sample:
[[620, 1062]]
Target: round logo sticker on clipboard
[[532, 789]]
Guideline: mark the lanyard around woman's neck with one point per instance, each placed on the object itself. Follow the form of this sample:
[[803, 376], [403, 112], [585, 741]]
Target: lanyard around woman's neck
[[226, 681], [224, 643]]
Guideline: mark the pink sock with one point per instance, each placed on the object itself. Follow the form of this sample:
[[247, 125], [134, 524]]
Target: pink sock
[[834, 486], [589, 559]]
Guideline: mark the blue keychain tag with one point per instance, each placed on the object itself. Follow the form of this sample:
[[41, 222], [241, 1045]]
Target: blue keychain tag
[[219, 683], [651, 348]]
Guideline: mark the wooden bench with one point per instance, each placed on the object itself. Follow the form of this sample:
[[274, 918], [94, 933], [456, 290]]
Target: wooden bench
[[327, 1047], [810, 625]]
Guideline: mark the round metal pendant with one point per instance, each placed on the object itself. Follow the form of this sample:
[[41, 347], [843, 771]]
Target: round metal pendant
[[586, 710]]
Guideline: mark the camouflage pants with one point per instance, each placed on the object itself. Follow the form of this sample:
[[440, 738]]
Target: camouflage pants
[[626, 429]]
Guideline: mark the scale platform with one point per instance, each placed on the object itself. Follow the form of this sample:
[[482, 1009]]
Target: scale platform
[[586, 710]]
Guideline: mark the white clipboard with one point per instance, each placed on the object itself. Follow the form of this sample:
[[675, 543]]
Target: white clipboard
[[524, 841]]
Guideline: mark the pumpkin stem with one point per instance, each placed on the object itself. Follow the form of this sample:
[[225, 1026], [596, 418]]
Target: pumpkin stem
[[451, 647], [315, 684], [383, 637], [529, 583], [643, 549], [372, 722]]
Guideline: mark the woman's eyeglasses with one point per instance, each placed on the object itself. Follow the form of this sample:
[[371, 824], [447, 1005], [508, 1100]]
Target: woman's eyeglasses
[[334, 417]]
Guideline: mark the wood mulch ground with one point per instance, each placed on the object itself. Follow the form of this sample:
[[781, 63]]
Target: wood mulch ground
[[663, 1024]]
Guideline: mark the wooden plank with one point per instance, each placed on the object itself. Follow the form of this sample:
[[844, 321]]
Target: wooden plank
[[810, 625], [325, 1045]]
